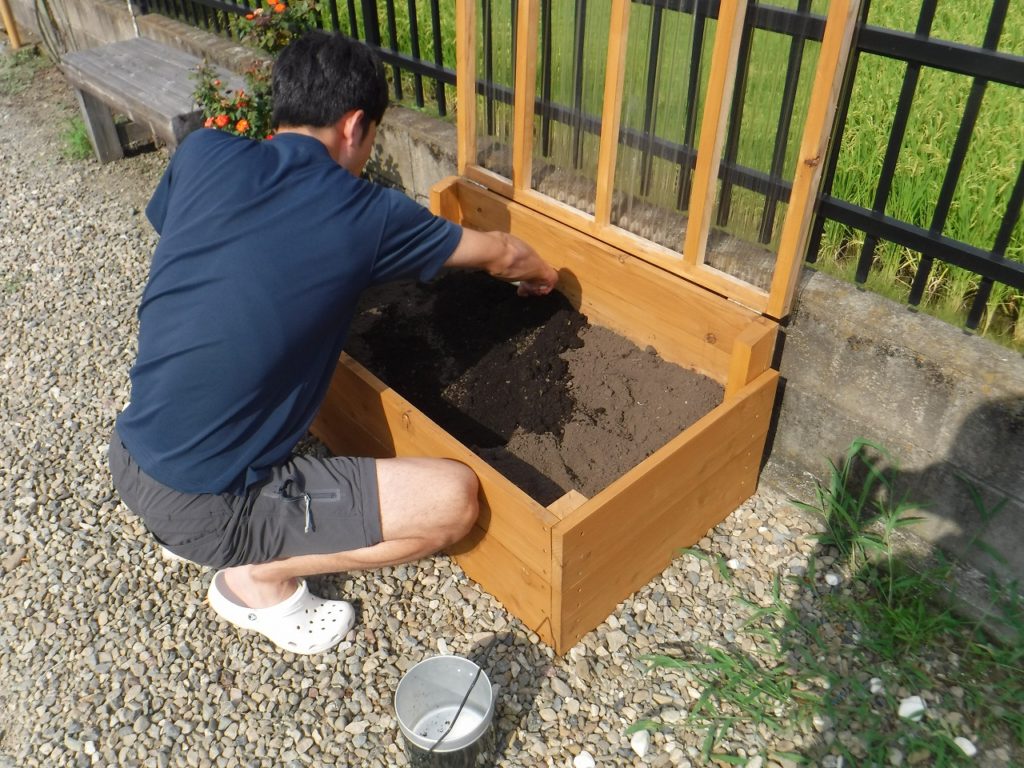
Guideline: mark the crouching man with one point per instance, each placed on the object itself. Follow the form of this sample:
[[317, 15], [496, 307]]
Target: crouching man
[[264, 250]]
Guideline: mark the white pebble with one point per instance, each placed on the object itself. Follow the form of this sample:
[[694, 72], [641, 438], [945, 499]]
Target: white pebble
[[640, 741], [755, 762], [832, 579], [442, 646], [584, 760], [734, 564], [876, 686], [966, 746], [912, 708]]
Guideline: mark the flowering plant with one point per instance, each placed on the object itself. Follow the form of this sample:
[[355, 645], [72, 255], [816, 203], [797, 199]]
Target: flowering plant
[[272, 26], [245, 112]]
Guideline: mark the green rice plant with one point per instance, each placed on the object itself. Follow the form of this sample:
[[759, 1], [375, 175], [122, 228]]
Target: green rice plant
[[402, 41], [989, 171], [835, 673], [75, 141]]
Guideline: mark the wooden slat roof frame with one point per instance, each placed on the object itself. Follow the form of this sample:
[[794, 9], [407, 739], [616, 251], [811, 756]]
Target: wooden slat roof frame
[[689, 262]]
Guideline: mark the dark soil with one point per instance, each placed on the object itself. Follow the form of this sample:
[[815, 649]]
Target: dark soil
[[550, 401]]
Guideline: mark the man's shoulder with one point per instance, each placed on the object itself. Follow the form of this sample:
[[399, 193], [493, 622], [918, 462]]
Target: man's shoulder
[[205, 140]]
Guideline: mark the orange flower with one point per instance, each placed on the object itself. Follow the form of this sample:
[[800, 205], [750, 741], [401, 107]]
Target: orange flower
[[249, 17], [217, 83], [242, 125], [208, 123], [221, 120], [280, 8]]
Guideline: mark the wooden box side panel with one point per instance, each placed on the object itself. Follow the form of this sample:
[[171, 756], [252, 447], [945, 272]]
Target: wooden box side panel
[[686, 324], [630, 532], [362, 416]]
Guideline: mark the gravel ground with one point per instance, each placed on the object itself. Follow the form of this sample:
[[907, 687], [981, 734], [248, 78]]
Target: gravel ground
[[108, 654]]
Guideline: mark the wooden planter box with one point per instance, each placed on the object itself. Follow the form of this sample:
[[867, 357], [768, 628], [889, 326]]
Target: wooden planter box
[[563, 568]]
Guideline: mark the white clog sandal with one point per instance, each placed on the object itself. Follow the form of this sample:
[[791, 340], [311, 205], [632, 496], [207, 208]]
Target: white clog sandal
[[304, 623]]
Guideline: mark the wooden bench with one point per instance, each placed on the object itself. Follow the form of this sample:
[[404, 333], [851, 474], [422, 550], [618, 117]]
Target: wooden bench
[[148, 82]]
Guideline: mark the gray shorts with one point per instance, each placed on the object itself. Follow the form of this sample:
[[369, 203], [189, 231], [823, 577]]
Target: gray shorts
[[308, 506]]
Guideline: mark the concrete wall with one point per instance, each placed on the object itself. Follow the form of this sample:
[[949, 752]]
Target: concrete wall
[[947, 405]]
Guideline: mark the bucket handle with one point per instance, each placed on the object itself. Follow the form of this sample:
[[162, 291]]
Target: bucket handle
[[472, 685]]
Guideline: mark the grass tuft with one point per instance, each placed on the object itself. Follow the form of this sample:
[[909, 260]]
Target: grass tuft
[[835, 673], [75, 140], [17, 69]]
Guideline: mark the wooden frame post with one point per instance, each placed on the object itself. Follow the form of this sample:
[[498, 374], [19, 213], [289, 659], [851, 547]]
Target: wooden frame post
[[525, 93], [465, 82], [611, 112], [731, 16], [828, 81]]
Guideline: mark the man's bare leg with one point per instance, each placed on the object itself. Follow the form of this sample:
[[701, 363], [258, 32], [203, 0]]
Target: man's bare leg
[[425, 506]]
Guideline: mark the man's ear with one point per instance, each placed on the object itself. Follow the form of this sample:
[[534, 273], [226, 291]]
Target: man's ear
[[350, 126]]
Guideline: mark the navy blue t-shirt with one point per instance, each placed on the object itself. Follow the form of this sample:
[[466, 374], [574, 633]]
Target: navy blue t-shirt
[[264, 249]]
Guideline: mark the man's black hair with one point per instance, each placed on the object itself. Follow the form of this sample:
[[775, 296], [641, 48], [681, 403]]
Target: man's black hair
[[323, 75]]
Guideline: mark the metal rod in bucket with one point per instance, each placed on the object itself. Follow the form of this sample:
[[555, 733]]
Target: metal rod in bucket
[[445, 706]]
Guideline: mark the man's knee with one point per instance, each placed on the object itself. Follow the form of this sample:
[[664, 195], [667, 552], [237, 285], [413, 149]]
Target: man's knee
[[431, 499], [464, 504]]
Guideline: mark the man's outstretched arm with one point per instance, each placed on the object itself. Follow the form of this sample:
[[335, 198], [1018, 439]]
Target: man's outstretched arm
[[505, 257]]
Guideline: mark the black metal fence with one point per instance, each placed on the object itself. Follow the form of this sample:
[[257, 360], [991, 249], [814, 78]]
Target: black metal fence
[[983, 65], [420, 77], [357, 18]]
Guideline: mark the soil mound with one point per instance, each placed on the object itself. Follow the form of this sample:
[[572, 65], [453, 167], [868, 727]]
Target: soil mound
[[526, 383]]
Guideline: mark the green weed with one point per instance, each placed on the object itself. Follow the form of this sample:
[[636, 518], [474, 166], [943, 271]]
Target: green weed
[[831, 664], [15, 282], [17, 69], [75, 140]]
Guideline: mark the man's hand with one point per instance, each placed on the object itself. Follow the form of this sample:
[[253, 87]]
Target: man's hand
[[537, 287], [505, 257]]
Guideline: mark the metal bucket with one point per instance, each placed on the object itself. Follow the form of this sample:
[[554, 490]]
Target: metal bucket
[[445, 707]]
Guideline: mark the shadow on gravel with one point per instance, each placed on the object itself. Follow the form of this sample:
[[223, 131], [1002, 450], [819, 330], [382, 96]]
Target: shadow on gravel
[[514, 666], [864, 654]]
